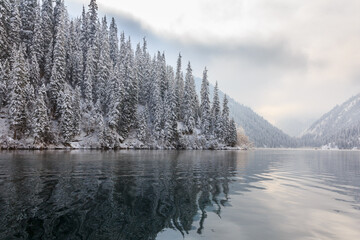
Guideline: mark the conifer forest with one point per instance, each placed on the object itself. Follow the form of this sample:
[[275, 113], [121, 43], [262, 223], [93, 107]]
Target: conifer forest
[[82, 83]]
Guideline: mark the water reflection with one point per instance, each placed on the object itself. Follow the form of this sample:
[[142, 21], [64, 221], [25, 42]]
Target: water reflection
[[110, 195], [263, 194]]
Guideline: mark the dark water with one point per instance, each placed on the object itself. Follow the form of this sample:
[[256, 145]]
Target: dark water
[[262, 194]]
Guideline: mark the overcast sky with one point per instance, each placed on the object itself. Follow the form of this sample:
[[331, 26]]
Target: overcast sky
[[289, 60]]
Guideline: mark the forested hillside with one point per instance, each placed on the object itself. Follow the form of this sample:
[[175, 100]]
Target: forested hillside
[[339, 128], [260, 132], [79, 83]]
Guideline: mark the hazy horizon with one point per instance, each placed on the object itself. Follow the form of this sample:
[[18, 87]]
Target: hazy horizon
[[290, 62]]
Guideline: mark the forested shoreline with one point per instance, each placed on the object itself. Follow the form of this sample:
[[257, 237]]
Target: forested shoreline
[[79, 83]]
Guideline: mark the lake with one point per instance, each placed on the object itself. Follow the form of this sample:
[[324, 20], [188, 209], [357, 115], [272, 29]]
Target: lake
[[257, 194]]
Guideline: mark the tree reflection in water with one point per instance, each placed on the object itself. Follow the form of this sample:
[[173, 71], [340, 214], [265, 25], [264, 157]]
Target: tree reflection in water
[[111, 195]]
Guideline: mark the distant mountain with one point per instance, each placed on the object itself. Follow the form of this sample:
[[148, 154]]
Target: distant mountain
[[259, 130], [338, 128]]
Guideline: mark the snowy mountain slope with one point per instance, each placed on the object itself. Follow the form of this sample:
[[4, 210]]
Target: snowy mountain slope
[[339, 127], [259, 130]]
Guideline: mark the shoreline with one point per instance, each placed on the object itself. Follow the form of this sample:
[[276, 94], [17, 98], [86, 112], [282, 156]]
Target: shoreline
[[52, 148]]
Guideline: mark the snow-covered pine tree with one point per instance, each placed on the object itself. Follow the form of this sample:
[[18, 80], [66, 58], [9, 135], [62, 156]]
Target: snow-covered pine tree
[[15, 24], [179, 90], [115, 93], [96, 47], [4, 83], [59, 14], [36, 46], [17, 102], [144, 81], [190, 101], [77, 110], [47, 27], [104, 67], [30, 101], [5, 47], [225, 127], [232, 138], [84, 33], [157, 112], [89, 78], [114, 42], [129, 103], [66, 114], [34, 71], [48, 62], [139, 72], [28, 19], [170, 118], [163, 81], [76, 57], [153, 90], [205, 104], [41, 118], [215, 113], [96, 120], [142, 132], [93, 20], [58, 72], [170, 75]]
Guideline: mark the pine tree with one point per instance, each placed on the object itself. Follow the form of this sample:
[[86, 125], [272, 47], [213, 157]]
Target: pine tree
[[76, 57], [36, 46], [145, 75], [179, 90], [48, 62], [76, 110], [142, 132], [170, 118], [5, 47], [99, 123], [104, 67], [84, 33], [115, 92], [30, 101], [28, 20], [190, 101], [225, 127], [158, 115], [215, 112], [66, 115], [139, 73], [114, 42], [129, 103], [93, 20], [17, 105], [163, 81], [96, 48], [58, 72], [205, 105], [15, 24], [47, 27], [41, 118], [232, 138], [34, 71], [88, 78], [4, 83]]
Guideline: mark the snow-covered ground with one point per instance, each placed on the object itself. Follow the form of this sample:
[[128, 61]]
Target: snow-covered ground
[[193, 141]]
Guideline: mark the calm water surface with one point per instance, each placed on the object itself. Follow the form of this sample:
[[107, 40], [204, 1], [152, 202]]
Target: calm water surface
[[260, 194]]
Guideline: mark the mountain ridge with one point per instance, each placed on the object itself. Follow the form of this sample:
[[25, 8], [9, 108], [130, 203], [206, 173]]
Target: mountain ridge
[[337, 128]]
